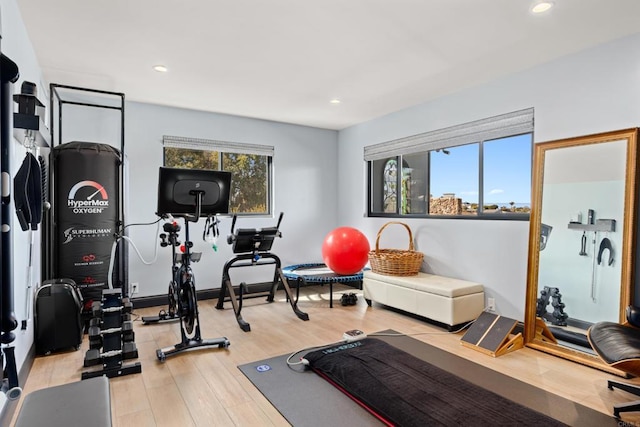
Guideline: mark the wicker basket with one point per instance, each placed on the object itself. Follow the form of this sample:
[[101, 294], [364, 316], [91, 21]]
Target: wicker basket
[[395, 262]]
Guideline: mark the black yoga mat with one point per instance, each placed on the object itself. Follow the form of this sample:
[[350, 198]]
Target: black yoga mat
[[306, 399], [407, 391]]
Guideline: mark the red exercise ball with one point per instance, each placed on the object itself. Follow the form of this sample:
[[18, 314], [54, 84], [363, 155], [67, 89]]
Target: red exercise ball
[[345, 250]]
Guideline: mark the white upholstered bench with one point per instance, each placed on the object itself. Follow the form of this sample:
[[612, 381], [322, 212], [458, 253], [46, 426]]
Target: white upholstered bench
[[442, 299]]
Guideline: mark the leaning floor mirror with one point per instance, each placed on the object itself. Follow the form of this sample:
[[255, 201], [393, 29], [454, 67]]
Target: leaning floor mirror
[[581, 241]]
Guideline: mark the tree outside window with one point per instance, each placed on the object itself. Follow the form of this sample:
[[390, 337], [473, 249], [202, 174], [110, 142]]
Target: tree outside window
[[250, 175]]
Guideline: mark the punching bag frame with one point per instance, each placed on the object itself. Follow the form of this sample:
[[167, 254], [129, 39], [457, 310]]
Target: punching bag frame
[[60, 96]]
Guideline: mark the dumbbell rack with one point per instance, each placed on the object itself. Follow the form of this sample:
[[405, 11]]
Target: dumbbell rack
[[111, 337]]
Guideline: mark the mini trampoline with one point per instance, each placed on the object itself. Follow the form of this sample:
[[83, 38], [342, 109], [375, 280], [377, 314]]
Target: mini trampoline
[[320, 273]]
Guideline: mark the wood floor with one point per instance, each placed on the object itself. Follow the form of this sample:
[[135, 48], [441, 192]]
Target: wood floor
[[205, 387]]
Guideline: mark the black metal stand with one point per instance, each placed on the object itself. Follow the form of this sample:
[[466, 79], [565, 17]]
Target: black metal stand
[[252, 246], [62, 96]]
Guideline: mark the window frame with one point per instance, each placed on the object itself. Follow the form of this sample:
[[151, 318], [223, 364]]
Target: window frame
[[509, 125], [222, 147]]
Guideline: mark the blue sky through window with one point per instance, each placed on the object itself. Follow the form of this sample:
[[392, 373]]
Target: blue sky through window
[[456, 172], [507, 171]]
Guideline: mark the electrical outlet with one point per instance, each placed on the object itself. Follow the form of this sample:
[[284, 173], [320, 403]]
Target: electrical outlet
[[491, 304], [134, 288]]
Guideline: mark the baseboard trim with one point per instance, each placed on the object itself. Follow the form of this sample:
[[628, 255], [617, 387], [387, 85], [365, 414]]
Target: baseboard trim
[[204, 294]]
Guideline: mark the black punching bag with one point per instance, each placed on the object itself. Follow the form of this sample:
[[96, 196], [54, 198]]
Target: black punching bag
[[86, 213]]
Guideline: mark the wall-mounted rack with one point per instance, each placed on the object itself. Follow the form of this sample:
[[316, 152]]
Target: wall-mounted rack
[[600, 225], [27, 121], [21, 132]]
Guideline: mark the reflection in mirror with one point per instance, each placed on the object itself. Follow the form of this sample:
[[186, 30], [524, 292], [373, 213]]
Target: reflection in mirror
[[581, 259], [579, 180]]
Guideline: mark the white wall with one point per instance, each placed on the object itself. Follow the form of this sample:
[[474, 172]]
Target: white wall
[[593, 91], [305, 187]]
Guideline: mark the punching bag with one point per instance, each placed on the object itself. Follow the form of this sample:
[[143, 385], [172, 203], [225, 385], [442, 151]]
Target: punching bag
[[86, 213]]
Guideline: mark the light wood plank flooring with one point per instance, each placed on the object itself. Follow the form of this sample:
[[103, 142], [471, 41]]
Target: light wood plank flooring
[[205, 388]]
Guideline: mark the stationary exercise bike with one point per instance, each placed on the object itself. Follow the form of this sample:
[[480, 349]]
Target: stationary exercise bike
[[181, 190], [170, 238], [252, 247]]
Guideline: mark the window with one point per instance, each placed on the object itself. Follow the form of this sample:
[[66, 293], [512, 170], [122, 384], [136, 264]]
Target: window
[[454, 180], [507, 174], [250, 166], [390, 178], [479, 169]]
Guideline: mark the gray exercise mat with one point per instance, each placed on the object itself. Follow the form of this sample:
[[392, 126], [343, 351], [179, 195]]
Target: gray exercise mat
[[302, 397], [305, 399]]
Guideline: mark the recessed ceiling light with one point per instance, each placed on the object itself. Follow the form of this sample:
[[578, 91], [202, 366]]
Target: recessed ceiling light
[[335, 101], [160, 68], [541, 6]]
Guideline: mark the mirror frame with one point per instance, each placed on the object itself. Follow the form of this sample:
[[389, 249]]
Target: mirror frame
[[534, 335]]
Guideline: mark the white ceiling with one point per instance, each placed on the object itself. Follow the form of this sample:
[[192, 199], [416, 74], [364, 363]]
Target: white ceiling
[[284, 60]]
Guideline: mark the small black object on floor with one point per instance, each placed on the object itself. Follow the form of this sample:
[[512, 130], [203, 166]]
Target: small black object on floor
[[349, 299]]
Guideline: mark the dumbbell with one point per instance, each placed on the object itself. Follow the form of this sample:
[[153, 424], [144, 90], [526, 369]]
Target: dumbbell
[[95, 337], [128, 334], [96, 309], [129, 350], [92, 357], [127, 305]]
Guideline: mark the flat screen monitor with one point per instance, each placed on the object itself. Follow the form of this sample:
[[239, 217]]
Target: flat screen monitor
[[178, 189]]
